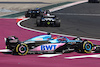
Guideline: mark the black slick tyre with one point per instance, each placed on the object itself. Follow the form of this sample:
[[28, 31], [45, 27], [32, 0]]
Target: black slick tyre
[[57, 23], [38, 22], [85, 47]]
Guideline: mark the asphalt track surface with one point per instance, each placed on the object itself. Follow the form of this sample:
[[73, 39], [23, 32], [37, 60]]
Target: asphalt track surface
[[81, 20]]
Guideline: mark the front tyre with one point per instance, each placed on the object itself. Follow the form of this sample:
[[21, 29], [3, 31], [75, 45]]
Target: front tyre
[[87, 46], [38, 23], [22, 49], [27, 14]]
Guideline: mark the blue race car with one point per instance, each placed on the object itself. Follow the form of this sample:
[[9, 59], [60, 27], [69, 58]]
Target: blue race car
[[48, 44], [33, 13]]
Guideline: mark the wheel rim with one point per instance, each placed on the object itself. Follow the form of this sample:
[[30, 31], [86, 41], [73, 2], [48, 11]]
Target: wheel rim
[[22, 49], [88, 46]]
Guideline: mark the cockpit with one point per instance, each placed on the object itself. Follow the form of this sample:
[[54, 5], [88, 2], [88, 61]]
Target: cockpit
[[58, 40]]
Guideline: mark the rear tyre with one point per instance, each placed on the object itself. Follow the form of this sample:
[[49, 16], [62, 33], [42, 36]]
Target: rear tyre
[[21, 49], [27, 14], [38, 22], [57, 23]]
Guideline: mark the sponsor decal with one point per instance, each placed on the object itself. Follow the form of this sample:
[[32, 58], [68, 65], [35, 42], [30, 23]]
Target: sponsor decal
[[48, 47]]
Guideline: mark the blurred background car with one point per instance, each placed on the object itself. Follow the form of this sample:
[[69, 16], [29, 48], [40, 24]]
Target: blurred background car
[[93, 1]]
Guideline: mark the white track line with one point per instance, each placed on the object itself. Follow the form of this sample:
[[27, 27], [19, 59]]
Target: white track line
[[84, 56], [77, 14], [51, 33], [63, 6], [67, 5], [5, 50], [58, 8], [49, 55]]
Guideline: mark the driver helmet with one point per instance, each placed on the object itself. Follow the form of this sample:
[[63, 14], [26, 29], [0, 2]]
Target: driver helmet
[[54, 37], [37, 8]]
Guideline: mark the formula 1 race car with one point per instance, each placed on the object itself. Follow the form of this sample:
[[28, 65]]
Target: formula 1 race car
[[33, 13], [48, 19], [48, 44]]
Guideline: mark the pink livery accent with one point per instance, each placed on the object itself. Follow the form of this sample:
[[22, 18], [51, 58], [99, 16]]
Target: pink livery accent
[[21, 50], [48, 47]]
